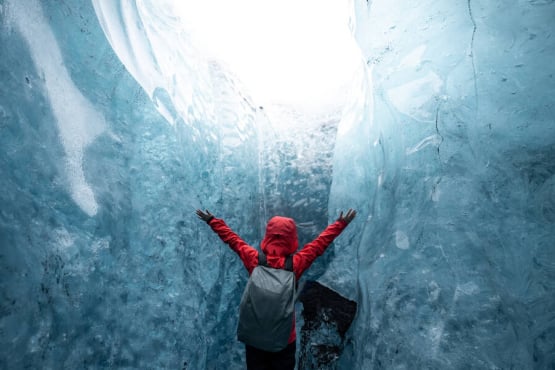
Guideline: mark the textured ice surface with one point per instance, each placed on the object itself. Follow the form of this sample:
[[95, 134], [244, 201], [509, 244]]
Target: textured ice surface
[[113, 130]]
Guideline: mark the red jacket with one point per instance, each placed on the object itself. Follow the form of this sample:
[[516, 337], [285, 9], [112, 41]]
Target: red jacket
[[279, 242]]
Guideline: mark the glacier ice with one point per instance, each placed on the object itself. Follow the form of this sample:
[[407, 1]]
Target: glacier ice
[[112, 133]]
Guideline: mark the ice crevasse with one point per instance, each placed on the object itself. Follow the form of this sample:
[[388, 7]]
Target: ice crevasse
[[112, 133]]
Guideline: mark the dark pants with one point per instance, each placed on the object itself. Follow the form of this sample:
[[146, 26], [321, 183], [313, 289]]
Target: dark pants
[[258, 359]]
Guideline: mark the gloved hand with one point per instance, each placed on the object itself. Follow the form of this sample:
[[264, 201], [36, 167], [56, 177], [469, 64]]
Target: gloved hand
[[351, 213], [205, 216]]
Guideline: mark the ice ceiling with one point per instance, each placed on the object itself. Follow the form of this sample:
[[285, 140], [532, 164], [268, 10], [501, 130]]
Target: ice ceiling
[[113, 130]]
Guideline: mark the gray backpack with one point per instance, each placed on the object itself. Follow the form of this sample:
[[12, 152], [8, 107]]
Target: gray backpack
[[267, 308]]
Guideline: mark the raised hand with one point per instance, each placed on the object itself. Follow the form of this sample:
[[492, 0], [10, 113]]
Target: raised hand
[[351, 213], [204, 216]]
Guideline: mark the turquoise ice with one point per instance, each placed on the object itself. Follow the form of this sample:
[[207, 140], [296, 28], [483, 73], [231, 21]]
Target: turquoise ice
[[112, 133]]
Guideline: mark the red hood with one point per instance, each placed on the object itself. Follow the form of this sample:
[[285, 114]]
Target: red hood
[[281, 237]]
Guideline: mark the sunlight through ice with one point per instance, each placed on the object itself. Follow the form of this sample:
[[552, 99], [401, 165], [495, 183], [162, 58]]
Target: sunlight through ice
[[285, 52]]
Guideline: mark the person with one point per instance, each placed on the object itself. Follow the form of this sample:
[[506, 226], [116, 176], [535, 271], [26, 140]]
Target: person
[[279, 242]]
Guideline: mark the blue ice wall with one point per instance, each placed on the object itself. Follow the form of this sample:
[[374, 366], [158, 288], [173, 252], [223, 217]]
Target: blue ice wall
[[103, 264], [446, 149], [455, 264]]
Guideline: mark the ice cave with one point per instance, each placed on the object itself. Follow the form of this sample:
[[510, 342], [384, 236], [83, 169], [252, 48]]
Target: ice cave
[[116, 124]]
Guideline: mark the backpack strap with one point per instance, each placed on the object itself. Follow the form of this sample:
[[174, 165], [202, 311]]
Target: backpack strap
[[289, 263], [262, 259], [289, 267]]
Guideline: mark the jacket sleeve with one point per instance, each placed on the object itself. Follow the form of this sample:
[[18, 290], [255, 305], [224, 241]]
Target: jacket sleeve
[[248, 254], [304, 258]]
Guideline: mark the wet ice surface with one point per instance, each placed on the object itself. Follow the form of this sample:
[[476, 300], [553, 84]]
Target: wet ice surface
[[446, 150]]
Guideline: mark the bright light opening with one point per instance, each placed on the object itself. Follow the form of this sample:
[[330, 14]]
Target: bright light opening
[[284, 52]]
